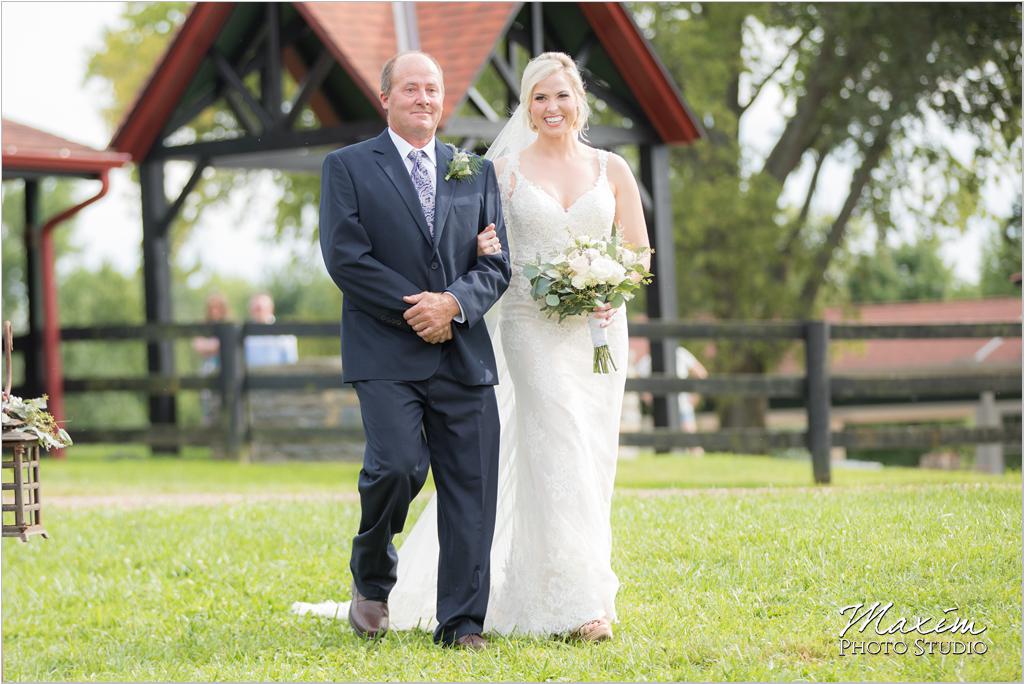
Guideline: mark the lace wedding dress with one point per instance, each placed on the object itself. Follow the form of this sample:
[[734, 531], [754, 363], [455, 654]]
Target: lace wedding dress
[[551, 558]]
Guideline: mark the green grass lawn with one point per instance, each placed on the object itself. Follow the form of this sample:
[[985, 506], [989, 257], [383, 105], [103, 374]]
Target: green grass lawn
[[716, 585], [101, 470]]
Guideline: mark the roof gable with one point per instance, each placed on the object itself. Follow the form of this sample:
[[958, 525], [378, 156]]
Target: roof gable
[[361, 36], [461, 37], [29, 149]]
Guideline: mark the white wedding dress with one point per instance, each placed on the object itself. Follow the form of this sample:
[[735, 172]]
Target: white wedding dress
[[551, 558]]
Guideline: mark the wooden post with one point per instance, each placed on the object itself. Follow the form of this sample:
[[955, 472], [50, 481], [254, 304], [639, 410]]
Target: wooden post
[[536, 28], [35, 375], [819, 398], [662, 298], [270, 74], [989, 457], [156, 277], [232, 380]]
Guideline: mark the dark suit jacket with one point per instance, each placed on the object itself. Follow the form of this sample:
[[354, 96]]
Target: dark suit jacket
[[377, 248]]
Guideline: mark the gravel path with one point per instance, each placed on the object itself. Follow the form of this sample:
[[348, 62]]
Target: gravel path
[[135, 501]]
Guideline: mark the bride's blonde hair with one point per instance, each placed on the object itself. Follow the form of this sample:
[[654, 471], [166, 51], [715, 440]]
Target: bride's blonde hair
[[542, 66]]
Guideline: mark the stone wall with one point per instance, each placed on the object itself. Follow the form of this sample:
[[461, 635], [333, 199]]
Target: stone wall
[[296, 409]]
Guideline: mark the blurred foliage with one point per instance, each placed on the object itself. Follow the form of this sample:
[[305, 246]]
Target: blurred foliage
[[860, 82], [1001, 257], [907, 272], [54, 196]]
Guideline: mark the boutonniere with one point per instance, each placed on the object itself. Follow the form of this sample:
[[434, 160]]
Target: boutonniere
[[463, 165]]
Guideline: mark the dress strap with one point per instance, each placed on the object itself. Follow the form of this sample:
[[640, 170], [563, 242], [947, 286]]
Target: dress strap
[[602, 160]]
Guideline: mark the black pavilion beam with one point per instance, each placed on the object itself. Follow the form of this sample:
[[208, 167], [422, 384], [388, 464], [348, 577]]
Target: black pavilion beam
[[536, 28], [585, 49], [190, 185], [314, 79], [251, 60], [270, 74], [156, 275], [506, 70], [34, 370], [272, 140], [662, 300], [237, 87]]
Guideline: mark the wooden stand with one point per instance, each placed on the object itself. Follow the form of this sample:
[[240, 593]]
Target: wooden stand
[[22, 505]]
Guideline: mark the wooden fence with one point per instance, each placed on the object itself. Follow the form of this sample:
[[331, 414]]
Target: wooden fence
[[815, 390]]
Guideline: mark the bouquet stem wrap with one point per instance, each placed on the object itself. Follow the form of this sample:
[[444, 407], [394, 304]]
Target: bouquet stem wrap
[[603, 362]]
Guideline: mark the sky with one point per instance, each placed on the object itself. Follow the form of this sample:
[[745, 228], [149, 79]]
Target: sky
[[44, 48]]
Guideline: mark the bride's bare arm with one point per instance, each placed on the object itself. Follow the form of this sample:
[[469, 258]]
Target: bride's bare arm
[[629, 210]]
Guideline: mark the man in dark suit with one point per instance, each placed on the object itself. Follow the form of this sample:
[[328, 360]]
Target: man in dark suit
[[400, 241]]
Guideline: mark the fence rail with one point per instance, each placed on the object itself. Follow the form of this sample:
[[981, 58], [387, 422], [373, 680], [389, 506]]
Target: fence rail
[[816, 389]]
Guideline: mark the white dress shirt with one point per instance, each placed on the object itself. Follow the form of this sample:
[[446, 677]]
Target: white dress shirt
[[404, 148]]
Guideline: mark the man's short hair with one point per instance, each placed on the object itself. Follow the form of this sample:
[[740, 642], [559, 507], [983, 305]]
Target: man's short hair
[[389, 69]]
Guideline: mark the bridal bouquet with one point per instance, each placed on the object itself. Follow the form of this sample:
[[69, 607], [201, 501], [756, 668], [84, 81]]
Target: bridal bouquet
[[590, 272]]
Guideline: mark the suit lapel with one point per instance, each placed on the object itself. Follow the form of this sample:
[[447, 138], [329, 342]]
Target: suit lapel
[[394, 168], [445, 189]]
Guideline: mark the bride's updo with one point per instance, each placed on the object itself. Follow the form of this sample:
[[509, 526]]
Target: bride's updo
[[542, 66]]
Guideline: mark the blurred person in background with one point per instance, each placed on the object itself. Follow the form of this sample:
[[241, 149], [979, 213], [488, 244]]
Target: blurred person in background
[[268, 350]]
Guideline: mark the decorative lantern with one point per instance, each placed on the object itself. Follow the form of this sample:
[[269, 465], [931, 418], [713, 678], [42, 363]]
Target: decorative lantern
[[22, 511], [27, 428]]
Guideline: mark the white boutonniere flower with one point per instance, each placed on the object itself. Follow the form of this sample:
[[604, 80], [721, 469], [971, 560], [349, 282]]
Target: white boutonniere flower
[[463, 165]]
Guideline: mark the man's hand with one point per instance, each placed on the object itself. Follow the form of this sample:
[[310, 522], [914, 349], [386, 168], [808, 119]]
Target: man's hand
[[431, 315]]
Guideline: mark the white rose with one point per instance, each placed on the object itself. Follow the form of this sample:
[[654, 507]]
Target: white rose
[[579, 282], [627, 257], [592, 254], [580, 266], [603, 268], [618, 274]]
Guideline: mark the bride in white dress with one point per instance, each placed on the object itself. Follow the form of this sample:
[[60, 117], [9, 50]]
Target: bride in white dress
[[551, 570]]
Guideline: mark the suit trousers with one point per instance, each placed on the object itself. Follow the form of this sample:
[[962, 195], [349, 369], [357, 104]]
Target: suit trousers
[[452, 428]]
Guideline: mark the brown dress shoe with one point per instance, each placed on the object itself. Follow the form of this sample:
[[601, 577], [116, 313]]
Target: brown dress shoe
[[368, 618], [473, 642]]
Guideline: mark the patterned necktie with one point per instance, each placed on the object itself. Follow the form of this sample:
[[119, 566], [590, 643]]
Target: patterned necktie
[[424, 187]]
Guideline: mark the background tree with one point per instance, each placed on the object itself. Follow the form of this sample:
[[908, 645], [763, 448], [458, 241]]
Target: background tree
[[862, 84], [1001, 257], [908, 272], [55, 195]]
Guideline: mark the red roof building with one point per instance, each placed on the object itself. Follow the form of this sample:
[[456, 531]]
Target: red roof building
[[29, 150]]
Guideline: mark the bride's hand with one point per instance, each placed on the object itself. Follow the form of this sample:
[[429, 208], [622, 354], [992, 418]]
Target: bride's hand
[[606, 313], [487, 242]]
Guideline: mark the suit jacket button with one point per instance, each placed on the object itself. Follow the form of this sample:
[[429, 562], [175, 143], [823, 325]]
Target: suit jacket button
[[433, 265]]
